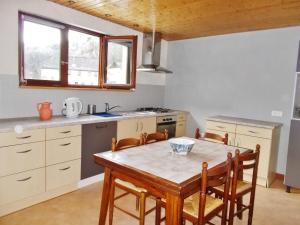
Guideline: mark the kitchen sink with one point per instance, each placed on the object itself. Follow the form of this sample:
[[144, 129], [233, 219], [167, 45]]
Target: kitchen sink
[[106, 114]]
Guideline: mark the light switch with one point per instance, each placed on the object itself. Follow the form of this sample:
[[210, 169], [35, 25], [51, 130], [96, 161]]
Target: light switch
[[277, 113]]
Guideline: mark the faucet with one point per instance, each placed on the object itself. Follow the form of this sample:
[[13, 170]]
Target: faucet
[[107, 107]]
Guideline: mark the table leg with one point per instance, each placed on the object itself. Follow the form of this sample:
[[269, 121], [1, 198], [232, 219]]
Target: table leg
[[174, 207], [105, 196]]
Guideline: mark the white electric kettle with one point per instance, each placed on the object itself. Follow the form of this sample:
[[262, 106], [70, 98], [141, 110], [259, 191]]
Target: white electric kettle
[[72, 107]]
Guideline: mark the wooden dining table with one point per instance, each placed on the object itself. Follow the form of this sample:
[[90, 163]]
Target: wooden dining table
[[161, 172]]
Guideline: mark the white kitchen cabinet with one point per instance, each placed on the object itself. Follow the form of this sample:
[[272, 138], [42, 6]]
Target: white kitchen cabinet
[[245, 133], [62, 150], [248, 142], [20, 158], [180, 125], [27, 136], [24, 178], [62, 174], [63, 132], [133, 128], [21, 185]]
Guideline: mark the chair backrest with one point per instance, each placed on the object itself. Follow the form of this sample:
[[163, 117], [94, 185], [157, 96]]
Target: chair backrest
[[212, 136], [125, 143], [217, 176], [154, 137], [245, 162]]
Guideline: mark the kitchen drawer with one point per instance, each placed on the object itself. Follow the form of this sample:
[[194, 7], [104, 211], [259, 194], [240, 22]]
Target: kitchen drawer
[[62, 174], [28, 136], [214, 125], [22, 185], [63, 132], [61, 150], [181, 117], [180, 128], [19, 158], [254, 131]]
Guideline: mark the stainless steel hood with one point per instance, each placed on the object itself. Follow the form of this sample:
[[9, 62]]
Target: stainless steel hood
[[151, 54]]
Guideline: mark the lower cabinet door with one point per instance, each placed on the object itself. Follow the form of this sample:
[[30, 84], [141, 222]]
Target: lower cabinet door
[[231, 136], [62, 174], [180, 128], [22, 185], [248, 142], [128, 129], [147, 125]]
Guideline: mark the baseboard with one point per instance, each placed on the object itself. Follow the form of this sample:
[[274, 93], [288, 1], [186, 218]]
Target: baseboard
[[90, 180], [279, 176]]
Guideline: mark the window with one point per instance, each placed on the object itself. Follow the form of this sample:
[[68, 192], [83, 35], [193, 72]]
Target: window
[[54, 54], [41, 52], [119, 52], [83, 64]]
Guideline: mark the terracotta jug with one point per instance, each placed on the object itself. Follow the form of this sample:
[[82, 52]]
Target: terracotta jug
[[45, 110]]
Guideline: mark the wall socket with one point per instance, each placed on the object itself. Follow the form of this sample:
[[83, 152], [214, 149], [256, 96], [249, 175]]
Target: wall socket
[[277, 113]]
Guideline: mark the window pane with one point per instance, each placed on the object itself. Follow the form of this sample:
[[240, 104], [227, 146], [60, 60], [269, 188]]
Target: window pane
[[83, 59], [118, 61], [41, 52]]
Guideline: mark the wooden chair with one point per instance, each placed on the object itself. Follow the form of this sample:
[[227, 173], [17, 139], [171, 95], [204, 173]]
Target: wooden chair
[[129, 188], [212, 136], [239, 188], [154, 137], [200, 208]]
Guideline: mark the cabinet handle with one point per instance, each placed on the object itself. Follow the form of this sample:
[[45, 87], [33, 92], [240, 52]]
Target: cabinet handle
[[27, 178], [66, 144], [24, 137], [179, 124], [25, 151], [220, 127], [65, 132], [66, 168], [253, 132], [101, 127], [137, 126]]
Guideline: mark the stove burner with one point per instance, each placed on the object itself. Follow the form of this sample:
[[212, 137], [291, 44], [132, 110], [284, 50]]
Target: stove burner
[[153, 109]]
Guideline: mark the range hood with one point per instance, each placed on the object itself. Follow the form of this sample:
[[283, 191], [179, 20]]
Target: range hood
[[151, 54]]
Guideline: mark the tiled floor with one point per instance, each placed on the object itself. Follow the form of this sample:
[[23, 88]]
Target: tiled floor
[[273, 207]]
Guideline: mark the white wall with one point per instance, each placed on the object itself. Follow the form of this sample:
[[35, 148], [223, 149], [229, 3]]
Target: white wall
[[15, 101], [246, 75]]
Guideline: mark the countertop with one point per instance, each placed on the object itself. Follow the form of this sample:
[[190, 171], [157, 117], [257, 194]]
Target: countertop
[[27, 123], [243, 121]]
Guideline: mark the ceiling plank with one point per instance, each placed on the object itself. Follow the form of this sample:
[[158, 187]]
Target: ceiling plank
[[181, 19]]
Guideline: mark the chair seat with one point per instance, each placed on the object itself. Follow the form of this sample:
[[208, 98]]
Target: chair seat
[[191, 204], [241, 186], [130, 185]]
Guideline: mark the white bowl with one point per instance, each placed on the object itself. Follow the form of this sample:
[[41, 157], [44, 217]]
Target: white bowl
[[181, 146]]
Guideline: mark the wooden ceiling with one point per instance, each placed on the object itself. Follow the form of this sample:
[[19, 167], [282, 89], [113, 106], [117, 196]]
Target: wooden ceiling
[[182, 19]]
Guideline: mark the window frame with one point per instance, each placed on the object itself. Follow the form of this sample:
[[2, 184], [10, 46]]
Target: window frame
[[64, 51], [132, 75]]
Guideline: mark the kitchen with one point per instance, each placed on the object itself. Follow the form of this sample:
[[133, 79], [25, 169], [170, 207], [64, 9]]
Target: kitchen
[[245, 74]]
